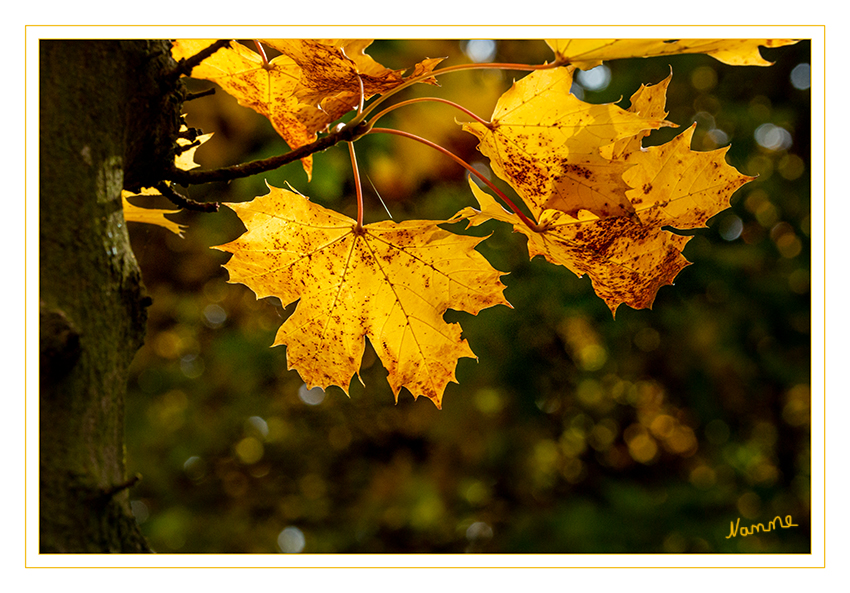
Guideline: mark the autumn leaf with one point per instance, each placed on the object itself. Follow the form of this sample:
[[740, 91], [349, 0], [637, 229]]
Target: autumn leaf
[[649, 101], [269, 89], [388, 281], [628, 258], [154, 216], [310, 85], [545, 142], [332, 70], [589, 53], [185, 160]]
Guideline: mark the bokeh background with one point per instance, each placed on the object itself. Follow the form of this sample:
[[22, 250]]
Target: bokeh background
[[573, 432]]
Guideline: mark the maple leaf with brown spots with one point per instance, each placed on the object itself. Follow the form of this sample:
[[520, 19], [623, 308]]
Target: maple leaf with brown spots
[[310, 85], [628, 258], [391, 282], [546, 143]]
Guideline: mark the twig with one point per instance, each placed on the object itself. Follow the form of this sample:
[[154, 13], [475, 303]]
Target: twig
[[107, 493], [180, 149], [185, 202], [199, 94], [189, 133], [186, 65]]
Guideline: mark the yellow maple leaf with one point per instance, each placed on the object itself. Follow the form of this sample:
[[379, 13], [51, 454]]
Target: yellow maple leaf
[[545, 142], [268, 89], [390, 282], [311, 84], [154, 216], [589, 53], [332, 70], [628, 258]]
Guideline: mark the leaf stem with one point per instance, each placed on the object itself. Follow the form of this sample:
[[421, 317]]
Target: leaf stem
[[362, 95], [525, 219], [357, 186], [353, 130], [456, 68], [423, 99], [261, 51]]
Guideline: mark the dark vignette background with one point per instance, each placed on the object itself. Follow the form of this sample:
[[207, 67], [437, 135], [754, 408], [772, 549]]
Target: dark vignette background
[[573, 433]]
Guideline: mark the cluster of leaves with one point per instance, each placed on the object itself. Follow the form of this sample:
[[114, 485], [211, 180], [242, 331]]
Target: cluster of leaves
[[546, 445], [595, 201]]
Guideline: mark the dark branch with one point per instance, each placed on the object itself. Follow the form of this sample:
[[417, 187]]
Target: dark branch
[[196, 176], [184, 147], [109, 492], [199, 94], [189, 133], [183, 201], [186, 65]]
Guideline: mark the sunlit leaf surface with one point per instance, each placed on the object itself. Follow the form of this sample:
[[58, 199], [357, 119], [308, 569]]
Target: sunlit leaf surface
[[628, 258], [589, 53], [311, 84], [546, 143], [390, 282]]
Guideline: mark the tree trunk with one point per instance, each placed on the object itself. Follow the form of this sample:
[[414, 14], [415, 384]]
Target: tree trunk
[[96, 100]]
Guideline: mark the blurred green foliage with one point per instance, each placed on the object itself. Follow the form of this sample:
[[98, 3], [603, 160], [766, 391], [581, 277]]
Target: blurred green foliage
[[572, 433]]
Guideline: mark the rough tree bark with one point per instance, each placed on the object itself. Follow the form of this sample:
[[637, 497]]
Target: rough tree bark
[[108, 116]]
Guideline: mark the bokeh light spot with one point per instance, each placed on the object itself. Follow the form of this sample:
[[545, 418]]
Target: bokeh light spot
[[479, 531], [801, 76], [192, 366], [311, 397], [704, 78], [291, 540], [642, 447], [791, 167], [480, 50], [574, 471], [257, 425], [703, 477], [773, 137], [731, 227], [595, 79], [214, 316], [749, 505], [140, 511], [796, 409], [682, 441], [195, 468], [488, 401], [592, 357], [249, 450], [602, 435]]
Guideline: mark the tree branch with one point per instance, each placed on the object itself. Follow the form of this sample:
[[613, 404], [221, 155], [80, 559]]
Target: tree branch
[[198, 176], [183, 201], [199, 94]]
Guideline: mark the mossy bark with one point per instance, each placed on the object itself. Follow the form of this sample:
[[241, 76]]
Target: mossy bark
[[101, 124]]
